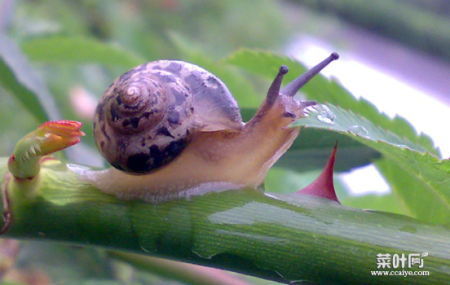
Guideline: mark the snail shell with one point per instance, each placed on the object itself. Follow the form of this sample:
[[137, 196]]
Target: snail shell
[[148, 116]]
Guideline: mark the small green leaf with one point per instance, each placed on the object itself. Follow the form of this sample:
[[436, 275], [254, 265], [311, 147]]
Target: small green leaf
[[334, 118], [18, 78], [419, 179], [78, 50]]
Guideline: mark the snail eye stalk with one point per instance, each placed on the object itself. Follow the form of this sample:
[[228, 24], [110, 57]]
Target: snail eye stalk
[[292, 88], [274, 89]]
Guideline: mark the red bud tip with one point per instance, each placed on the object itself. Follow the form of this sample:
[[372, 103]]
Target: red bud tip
[[63, 128], [58, 135]]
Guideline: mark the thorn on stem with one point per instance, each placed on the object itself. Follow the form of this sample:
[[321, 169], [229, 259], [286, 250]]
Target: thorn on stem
[[323, 185]]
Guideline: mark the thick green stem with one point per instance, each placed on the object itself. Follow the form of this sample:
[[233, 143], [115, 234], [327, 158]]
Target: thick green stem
[[282, 238]]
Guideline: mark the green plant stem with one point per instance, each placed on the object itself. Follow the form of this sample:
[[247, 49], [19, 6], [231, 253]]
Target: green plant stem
[[280, 238]]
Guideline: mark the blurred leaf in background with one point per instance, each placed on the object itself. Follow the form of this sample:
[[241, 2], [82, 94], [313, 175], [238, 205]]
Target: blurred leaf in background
[[421, 24]]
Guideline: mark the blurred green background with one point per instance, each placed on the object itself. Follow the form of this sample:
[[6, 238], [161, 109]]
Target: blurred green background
[[180, 29], [155, 29]]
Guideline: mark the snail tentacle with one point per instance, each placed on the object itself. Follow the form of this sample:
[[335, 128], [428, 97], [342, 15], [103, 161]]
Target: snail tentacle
[[292, 88], [274, 89]]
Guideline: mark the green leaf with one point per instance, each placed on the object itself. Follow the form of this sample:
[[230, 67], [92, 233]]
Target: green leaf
[[78, 50], [323, 90], [334, 118], [18, 78], [420, 179]]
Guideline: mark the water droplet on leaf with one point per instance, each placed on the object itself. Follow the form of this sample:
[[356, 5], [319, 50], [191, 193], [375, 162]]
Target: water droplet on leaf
[[358, 130], [325, 115]]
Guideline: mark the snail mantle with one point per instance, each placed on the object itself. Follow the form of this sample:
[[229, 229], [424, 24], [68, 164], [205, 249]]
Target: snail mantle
[[171, 129]]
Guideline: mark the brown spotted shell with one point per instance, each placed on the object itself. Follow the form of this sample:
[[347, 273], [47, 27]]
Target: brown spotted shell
[[148, 115]]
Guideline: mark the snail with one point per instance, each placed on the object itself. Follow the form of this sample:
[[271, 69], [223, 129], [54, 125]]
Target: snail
[[172, 129]]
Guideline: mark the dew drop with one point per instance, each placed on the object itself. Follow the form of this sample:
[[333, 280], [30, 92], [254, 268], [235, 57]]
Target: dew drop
[[325, 115], [358, 130]]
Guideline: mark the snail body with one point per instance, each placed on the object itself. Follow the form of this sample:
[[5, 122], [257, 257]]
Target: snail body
[[171, 129]]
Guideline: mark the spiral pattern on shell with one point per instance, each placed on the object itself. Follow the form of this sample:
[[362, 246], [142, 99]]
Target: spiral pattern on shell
[[148, 115]]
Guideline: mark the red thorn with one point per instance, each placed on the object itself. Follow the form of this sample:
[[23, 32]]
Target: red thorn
[[323, 185]]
